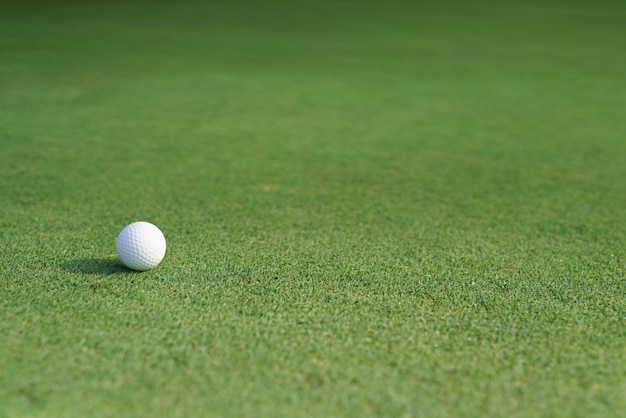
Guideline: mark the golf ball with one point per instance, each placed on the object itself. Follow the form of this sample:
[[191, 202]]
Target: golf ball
[[140, 246]]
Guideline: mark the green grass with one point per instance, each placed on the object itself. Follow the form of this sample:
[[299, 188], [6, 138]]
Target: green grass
[[372, 208]]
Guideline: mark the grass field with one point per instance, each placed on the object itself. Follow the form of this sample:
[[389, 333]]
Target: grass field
[[403, 209]]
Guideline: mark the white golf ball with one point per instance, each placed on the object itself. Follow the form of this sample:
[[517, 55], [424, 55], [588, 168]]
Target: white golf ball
[[140, 246]]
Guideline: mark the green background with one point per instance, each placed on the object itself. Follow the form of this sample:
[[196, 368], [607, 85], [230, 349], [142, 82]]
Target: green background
[[372, 208]]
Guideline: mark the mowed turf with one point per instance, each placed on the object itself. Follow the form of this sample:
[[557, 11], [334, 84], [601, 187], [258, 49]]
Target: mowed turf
[[371, 208]]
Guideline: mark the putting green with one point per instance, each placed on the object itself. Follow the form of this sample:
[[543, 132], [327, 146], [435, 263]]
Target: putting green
[[371, 208]]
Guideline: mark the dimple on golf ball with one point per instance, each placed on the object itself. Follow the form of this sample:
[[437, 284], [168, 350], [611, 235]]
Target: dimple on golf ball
[[140, 246]]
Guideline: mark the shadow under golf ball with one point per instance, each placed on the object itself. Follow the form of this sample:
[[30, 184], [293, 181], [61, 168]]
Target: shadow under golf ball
[[100, 266]]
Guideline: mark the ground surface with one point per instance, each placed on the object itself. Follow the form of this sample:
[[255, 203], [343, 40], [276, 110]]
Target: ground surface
[[372, 208]]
